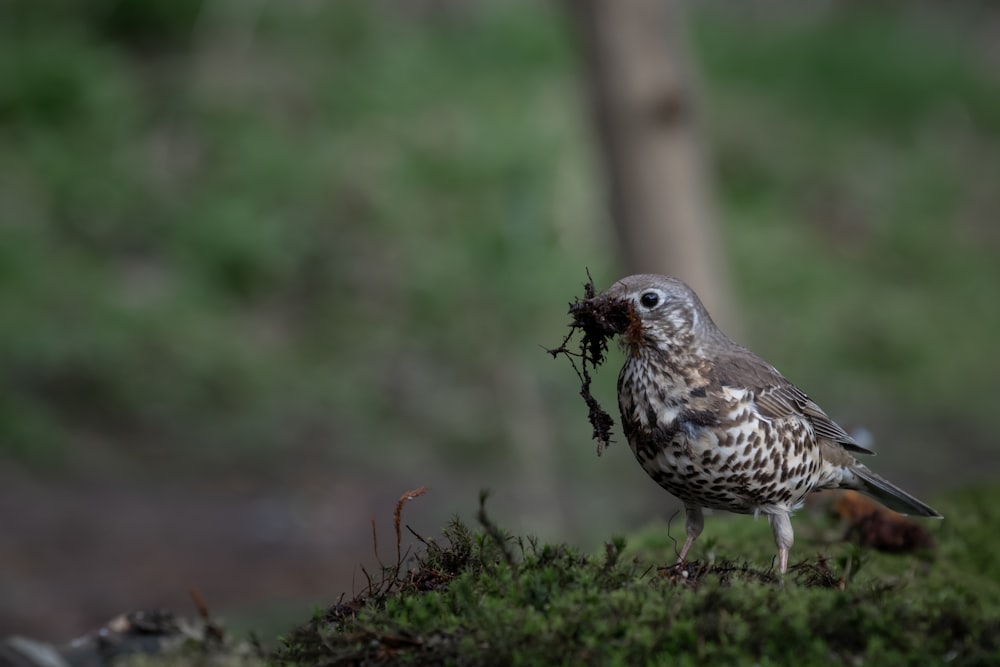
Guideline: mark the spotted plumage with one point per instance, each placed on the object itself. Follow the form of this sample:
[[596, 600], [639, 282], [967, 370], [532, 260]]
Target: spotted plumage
[[719, 427]]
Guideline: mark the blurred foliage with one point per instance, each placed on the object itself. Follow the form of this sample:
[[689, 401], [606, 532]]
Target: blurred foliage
[[856, 152], [319, 223], [350, 225]]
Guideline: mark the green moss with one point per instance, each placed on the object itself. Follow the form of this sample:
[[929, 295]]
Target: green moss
[[485, 598]]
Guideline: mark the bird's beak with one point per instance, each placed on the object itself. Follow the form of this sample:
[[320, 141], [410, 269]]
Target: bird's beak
[[622, 316]]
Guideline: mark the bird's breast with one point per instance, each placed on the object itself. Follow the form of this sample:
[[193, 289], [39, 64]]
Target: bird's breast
[[713, 450]]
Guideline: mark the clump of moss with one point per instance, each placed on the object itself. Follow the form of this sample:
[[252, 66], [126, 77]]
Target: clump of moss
[[599, 320]]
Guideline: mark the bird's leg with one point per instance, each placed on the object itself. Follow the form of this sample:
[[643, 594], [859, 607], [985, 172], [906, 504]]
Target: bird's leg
[[695, 521], [781, 524]]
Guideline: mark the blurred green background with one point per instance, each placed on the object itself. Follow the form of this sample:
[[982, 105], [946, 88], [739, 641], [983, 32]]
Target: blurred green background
[[304, 256]]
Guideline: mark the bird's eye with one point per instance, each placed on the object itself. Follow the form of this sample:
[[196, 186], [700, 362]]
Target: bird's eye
[[649, 299]]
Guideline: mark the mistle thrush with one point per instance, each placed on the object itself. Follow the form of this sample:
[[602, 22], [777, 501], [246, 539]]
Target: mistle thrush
[[719, 427]]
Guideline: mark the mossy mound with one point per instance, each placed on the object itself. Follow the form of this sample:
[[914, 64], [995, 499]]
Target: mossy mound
[[486, 598]]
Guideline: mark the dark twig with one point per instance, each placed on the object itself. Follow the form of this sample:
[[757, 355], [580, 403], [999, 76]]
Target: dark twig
[[375, 544], [494, 532]]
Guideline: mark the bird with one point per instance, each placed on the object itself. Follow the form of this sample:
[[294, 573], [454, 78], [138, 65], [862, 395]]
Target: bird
[[720, 428]]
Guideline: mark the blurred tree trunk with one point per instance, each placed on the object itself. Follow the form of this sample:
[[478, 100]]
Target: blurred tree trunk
[[645, 124]]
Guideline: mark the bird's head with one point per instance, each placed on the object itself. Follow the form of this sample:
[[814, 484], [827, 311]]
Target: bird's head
[[663, 312]]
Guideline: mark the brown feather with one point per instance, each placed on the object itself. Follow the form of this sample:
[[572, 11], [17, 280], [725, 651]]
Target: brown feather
[[776, 397]]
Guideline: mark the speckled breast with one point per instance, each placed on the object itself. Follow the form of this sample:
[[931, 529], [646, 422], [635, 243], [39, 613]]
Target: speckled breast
[[727, 457]]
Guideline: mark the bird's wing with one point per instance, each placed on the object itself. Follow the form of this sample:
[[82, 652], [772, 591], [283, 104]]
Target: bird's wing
[[777, 397], [777, 401]]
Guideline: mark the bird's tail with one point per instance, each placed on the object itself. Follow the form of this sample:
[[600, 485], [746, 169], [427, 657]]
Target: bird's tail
[[889, 494]]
